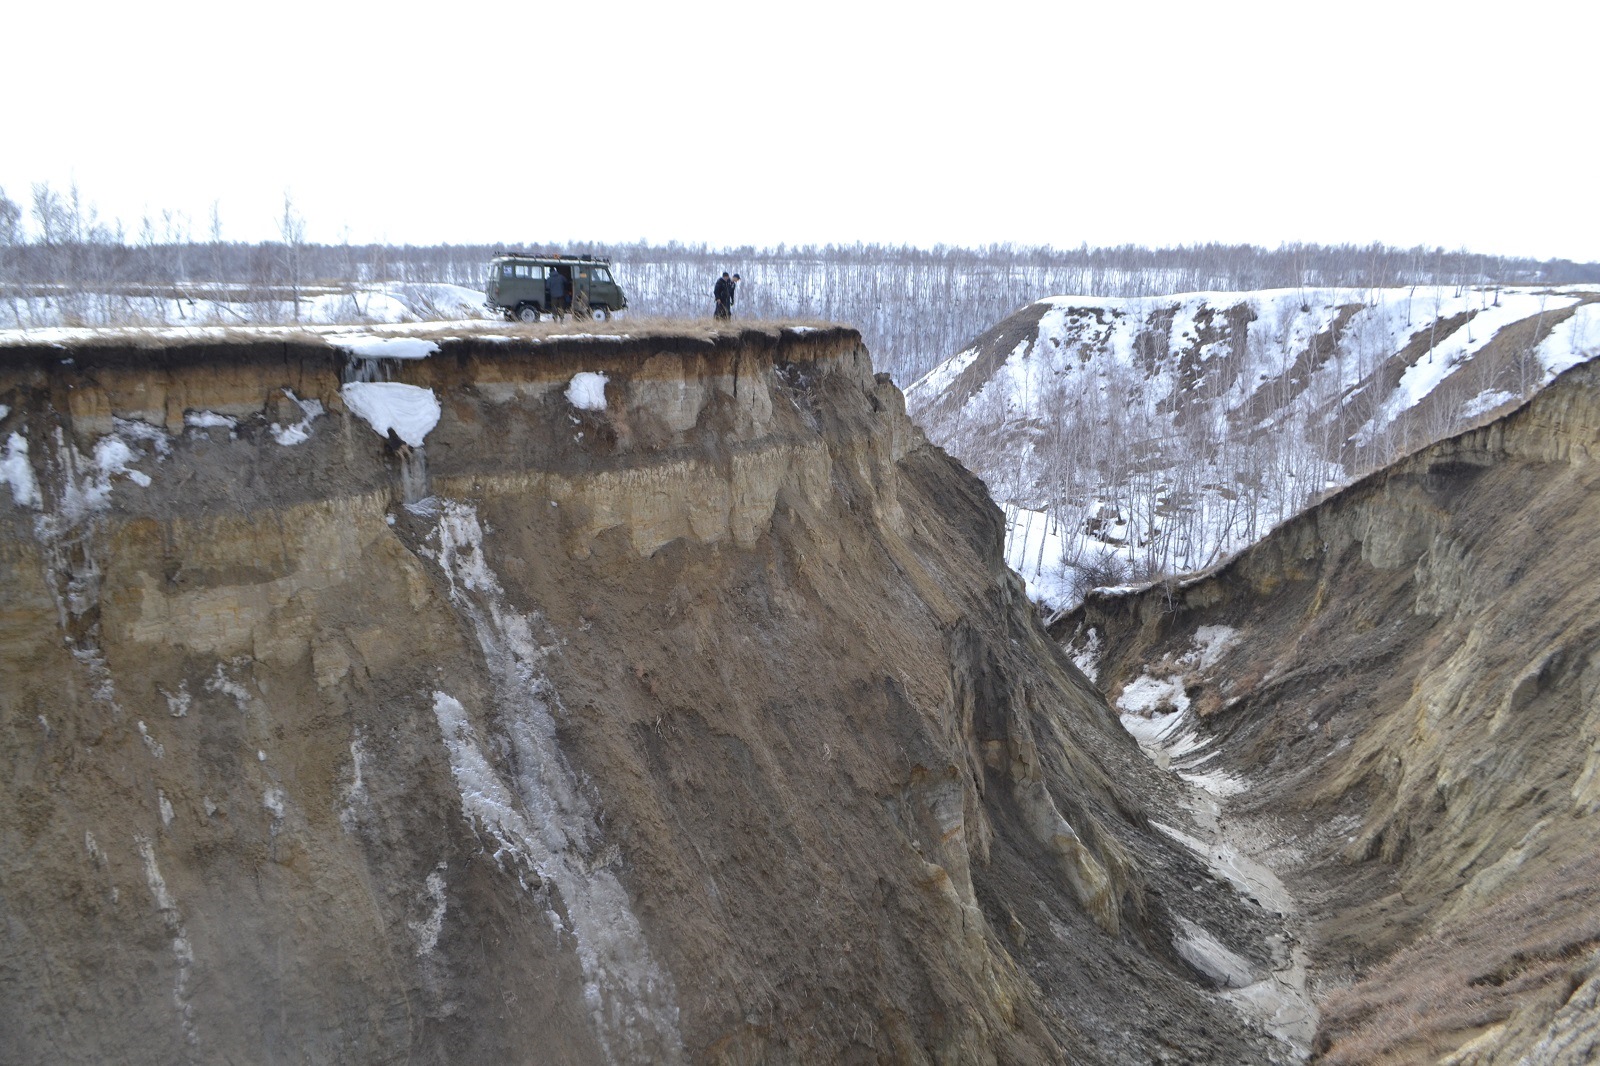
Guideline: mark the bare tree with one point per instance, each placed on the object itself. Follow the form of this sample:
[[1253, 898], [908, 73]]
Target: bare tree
[[10, 246], [292, 227]]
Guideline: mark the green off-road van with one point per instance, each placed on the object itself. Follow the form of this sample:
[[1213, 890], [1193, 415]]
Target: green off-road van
[[519, 286]]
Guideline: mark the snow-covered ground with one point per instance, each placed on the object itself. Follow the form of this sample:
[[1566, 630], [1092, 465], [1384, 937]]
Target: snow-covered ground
[[1129, 438], [408, 340], [1036, 548], [387, 302]]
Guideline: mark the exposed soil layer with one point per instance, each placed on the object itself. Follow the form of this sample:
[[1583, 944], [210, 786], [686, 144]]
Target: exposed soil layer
[[703, 724], [1410, 684]]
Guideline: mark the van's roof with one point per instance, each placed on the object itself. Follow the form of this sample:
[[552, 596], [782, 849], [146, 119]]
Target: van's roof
[[554, 257]]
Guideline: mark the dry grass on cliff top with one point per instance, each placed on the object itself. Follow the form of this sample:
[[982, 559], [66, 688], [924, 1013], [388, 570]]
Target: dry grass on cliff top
[[635, 328], [1469, 974], [661, 326]]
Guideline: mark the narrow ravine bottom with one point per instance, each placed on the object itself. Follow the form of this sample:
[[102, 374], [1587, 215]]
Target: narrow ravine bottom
[[1279, 1002]]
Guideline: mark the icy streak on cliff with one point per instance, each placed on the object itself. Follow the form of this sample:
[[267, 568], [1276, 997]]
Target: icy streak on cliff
[[539, 815], [182, 951]]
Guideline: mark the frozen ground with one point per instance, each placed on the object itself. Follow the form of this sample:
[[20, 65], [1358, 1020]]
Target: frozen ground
[[238, 306], [366, 340], [1156, 712]]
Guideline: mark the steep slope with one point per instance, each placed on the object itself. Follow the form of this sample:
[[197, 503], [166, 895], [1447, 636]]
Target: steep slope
[[1407, 677], [1133, 438], [595, 699]]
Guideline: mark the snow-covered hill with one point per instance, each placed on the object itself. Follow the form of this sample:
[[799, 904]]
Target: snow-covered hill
[[1133, 438]]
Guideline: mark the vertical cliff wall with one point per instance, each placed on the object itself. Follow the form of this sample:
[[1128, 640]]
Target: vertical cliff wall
[[634, 699]]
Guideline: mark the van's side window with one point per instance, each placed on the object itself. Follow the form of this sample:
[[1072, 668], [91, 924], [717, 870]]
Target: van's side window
[[506, 270], [602, 274]]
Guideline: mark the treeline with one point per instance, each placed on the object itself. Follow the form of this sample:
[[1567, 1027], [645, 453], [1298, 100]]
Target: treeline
[[914, 306]]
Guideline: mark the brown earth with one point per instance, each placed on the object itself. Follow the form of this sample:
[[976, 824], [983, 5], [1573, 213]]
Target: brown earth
[[1412, 689], [705, 727]]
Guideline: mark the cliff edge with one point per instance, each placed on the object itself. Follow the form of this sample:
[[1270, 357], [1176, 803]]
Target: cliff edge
[[587, 699]]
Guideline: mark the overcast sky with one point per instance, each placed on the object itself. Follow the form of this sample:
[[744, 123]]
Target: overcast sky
[[1006, 120]]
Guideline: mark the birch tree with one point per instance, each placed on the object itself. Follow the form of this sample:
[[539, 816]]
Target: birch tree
[[292, 227], [10, 246]]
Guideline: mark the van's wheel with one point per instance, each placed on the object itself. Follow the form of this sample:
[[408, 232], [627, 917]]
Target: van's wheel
[[528, 313], [599, 311]]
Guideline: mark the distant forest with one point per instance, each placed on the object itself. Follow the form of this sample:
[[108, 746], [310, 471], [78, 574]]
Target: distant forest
[[915, 306]]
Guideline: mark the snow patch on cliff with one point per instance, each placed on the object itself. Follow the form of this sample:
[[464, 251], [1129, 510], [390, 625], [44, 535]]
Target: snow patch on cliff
[[409, 410], [357, 804], [535, 811], [156, 749], [368, 346], [85, 482], [1087, 658], [300, 432], [208, 420], [1147, 697], [587, 391], [219, 681], [177, 702], [427, 930], [113, 456], [17, 472], [1156, 710], [182, 951], [486, 801], [1209, 644]]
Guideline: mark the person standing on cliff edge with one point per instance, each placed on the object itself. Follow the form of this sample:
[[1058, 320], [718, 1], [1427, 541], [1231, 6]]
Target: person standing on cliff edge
[[722, 292], [560, 302]]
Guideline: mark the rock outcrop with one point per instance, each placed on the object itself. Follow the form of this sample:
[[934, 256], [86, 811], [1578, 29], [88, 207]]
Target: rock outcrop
[[669, 702], [1409, 676]]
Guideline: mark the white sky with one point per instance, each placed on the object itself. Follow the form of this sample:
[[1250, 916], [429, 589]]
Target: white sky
[[1008, 120]]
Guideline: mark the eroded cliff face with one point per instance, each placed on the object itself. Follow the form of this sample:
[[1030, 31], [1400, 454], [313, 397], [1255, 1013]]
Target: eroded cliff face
[[1408, 678], [701, 722]]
